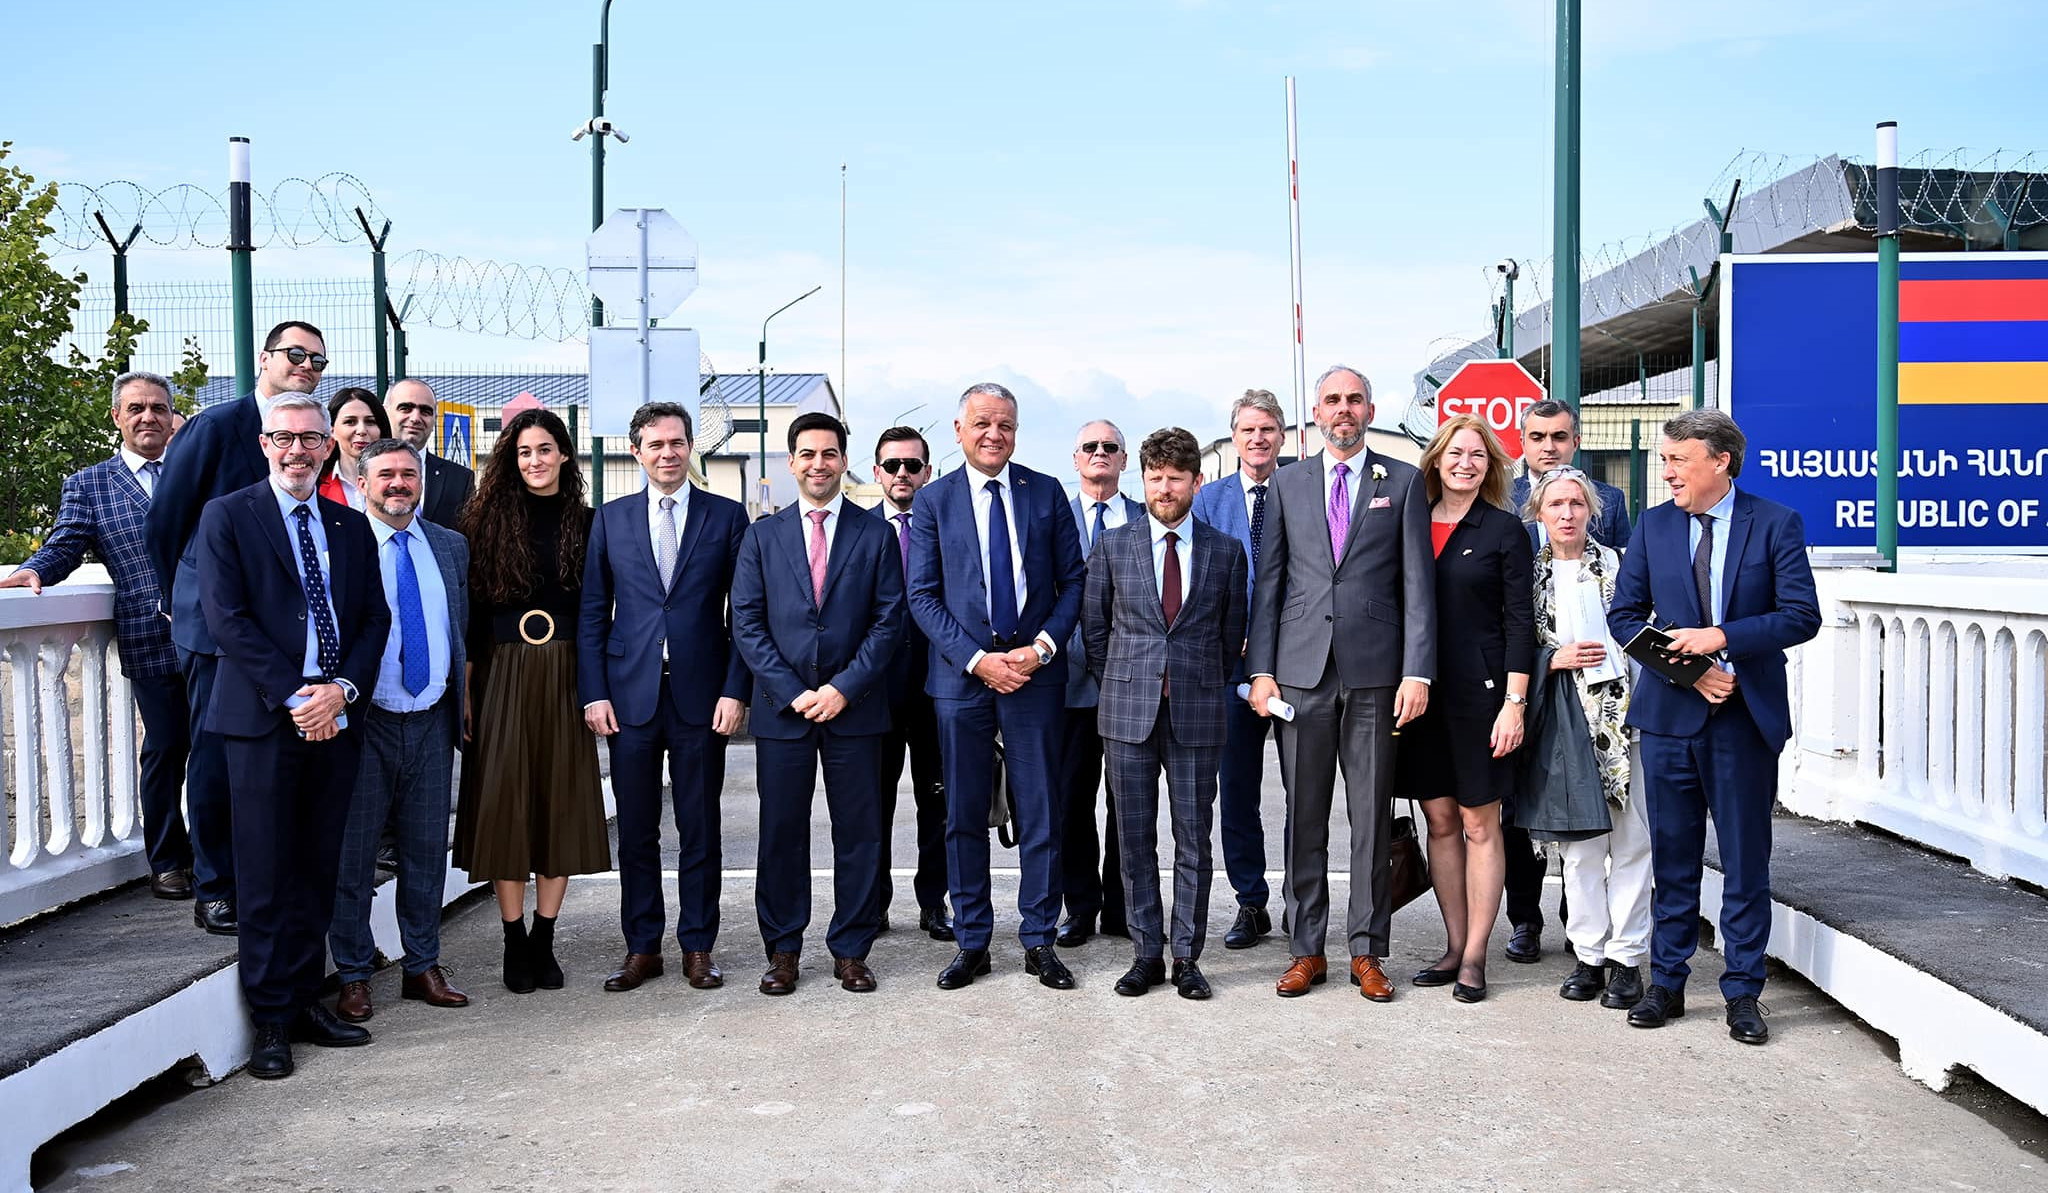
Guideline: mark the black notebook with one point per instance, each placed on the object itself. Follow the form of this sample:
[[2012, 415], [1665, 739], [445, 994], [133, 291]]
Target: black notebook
[[1652, 648]]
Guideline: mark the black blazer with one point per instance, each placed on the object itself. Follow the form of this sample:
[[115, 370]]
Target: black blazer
[[912, 658], [1485, 612], [216, 454], [448, 487]]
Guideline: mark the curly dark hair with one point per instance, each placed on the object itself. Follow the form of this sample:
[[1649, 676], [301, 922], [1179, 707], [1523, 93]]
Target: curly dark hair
[[494, 520]]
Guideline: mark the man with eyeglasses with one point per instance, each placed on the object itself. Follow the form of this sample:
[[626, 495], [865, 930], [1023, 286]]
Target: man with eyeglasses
[[903, 463], [1090, 863], [411, 405], [216, 453]]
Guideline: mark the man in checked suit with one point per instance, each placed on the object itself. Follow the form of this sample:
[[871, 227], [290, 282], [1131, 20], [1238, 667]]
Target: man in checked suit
[[995, 584], [102, 509], [1343, 629], [1164, 618]]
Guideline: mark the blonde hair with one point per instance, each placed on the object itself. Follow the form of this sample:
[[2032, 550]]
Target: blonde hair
[[1493, 487]]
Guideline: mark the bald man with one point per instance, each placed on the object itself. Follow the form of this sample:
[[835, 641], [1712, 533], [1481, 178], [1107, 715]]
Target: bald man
[[413, 410]]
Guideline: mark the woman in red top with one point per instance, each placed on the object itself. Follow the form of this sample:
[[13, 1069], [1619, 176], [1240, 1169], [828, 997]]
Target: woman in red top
[[359, 421]]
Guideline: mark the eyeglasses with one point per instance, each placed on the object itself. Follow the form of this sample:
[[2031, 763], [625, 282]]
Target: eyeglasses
[[1563, 472], [299, 356], [1107, 447], [901, 464], [282, 440]]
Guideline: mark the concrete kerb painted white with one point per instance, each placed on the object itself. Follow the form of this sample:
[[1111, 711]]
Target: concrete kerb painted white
[[1936, 1025]]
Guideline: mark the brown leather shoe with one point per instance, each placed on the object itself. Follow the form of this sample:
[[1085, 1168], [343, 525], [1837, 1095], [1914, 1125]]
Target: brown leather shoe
[[171, 884], [702, 973], [354, 1003], [637, 968], [781, 975], [853, 974], [1371, 980], [432, 988], [1305, 972]]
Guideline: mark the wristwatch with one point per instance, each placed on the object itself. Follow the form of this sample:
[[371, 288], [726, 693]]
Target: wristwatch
[[1514, 699], [1043, 652], [348, 690]]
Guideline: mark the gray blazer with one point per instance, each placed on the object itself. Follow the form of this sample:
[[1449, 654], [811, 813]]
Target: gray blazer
[[1373, 611], [1132, 651], [451, 551], [1082, 690]]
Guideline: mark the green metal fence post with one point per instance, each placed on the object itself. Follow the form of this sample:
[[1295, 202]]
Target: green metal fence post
[[241, 247], [120, 248], [1564, 289], [1638, 467], [596, 470], [380, 303], [1888, 344]]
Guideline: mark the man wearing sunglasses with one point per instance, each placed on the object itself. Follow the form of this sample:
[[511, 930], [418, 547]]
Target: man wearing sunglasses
[[446, 485], [216, 453]]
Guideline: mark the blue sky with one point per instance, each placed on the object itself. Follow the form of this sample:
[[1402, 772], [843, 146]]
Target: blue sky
[[1086, 201]]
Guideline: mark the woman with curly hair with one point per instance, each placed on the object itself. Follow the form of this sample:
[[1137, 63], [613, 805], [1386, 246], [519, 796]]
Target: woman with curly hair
[[359, 421], [530, 803]]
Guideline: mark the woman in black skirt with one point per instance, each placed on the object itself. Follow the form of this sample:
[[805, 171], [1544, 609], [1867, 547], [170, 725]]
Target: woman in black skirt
[[1454, 759], [530, 803]]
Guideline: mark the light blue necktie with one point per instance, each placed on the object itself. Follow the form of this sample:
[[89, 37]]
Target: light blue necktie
[[412, 620]]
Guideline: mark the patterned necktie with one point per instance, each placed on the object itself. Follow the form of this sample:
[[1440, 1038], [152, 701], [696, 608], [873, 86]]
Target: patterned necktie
[[1258, 523], [903, 542], [665, 543], [818, 549], [1095, 526], [1002, 574], [1340, 511], [154, 470], [329, 652], [413, 652], [1703, 568]]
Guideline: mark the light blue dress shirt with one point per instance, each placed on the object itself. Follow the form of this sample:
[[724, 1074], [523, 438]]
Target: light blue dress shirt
[[1723, 510], [286, 503], [391, 695], [1183, 546]]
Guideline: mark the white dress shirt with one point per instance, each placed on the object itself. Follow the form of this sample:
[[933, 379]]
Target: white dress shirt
[[1183, 546], [390, 694], [833, 509], [286, 503], [982, 505], [135, 465], [1360, 464], [654, 516], [1245, 482], [1113, 516]]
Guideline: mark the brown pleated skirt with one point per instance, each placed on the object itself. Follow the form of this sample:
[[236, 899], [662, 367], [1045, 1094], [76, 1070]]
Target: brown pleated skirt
[[531, 802]]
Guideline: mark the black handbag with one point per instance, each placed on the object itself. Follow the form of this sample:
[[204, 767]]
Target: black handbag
[[1408, 861]]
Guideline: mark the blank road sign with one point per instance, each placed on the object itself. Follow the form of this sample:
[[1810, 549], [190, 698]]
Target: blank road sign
[[612, 255]]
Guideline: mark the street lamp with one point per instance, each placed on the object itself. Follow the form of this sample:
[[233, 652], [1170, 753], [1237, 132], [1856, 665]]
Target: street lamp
[[762, 508]]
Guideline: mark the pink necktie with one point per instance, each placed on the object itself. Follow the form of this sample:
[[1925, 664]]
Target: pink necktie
[[818, 556], [1340, 511]]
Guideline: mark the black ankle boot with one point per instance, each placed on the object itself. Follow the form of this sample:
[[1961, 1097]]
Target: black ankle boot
[[540, 950], [518, 962]]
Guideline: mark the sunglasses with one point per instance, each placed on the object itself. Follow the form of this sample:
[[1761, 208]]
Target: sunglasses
[[901, 464], [282, 440], [299, 356], [1107, 447]]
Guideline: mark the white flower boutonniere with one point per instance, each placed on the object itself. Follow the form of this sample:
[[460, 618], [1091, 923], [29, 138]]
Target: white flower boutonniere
[[1379, 472]]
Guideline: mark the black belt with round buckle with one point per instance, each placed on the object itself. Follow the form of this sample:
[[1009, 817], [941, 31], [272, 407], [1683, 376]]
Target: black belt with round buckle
[[546, 635]]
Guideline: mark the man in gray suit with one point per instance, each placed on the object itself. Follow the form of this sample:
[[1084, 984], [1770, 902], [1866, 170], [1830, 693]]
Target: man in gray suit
[[1089, 863], [1343, 628], [1164, 614], [409, 732]]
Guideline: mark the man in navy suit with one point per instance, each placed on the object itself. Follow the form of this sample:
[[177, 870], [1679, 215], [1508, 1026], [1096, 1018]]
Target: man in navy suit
[[216, 453], [292, 594], [1725, 573], [903, 465], [1238, 505], [1090, 865], [819, 652], [995, 584], [657, 675], [102, 510]]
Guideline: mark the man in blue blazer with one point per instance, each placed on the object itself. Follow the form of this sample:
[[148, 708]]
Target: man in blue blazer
[[1725, 574], [657, 675], [292, 594], [819, 652], [216, 453], [1238, 505], [102, 509], [995, 584]]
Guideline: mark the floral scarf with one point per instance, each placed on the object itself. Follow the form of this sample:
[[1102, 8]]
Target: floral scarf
[[1606, 703]]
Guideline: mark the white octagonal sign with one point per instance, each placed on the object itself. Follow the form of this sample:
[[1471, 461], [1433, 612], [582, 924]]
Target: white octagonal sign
[[613, 255]]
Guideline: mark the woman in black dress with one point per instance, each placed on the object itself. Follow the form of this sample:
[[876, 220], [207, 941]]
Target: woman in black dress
[[530, 804], [1454, 759]]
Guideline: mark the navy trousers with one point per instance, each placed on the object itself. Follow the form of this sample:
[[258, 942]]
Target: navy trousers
[[788, 773], [914, 731], [291, 801], [166, 742], [1239, 783], [696, 766], [1029, 720], [1091, 866], [209, 809], [1726, 771], [403, 780]]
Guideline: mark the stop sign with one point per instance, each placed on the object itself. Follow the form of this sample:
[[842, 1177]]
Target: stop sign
[[1497, 392]]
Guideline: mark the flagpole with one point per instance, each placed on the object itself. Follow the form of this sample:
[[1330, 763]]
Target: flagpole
[[1294, 277]]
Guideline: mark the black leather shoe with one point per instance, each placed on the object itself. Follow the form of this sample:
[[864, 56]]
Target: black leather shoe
[[171, 884], [1075, 932], [1464, 993], [1188, 980], [967, 965], [1525, 947], [1660, 1005], [1624, 986], [1434, 977], [1251, 923], [1585, 983], [317, 1025], [1044, 963], [272, 1056], [1746, 1020], [933, 922], [218, 917], [1142, 977]]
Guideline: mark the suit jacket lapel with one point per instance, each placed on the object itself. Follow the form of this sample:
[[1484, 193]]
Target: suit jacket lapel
[[693, 532], [845, 540], [265, 509], [333, 576], [125, 481], [1363, 489], [1738, 538], [797, 552], [1682, 547]]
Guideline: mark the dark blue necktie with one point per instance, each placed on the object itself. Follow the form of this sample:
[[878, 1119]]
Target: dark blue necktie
[[1002, 576], [1258, 524], [1095, 525], [329, 653], [412, 620]]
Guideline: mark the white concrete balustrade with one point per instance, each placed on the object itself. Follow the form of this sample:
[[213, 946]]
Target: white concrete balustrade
[[1922, 709], [71, 788]]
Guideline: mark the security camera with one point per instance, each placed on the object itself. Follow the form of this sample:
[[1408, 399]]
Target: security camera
[[602, 128], [1508, 269]]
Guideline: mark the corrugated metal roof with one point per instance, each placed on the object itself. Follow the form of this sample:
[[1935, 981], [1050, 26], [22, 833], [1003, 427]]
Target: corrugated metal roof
[[553, 389], [784, 389]]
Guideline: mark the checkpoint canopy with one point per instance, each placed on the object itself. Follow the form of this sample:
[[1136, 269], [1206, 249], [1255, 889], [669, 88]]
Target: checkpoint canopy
[[1799, 351], [642, 264], [1497, 392]]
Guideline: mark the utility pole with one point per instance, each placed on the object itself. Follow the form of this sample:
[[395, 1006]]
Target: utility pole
[[241, 247], [1888, 344], [1564, 284], [599, 80], [763, 507]]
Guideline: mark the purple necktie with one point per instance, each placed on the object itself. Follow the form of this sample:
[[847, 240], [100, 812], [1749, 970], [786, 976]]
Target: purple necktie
[[1340, 511], [903, 541]]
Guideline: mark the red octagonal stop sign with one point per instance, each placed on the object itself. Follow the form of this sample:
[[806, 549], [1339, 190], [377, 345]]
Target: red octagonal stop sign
[[1497, 392]]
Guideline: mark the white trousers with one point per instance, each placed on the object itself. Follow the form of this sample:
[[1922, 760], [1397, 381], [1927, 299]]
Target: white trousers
[[1607, 885]]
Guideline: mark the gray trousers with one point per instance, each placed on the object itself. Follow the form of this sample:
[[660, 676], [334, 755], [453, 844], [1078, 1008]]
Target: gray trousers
[[1348, 730], [408, 761], [1191, 803]]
